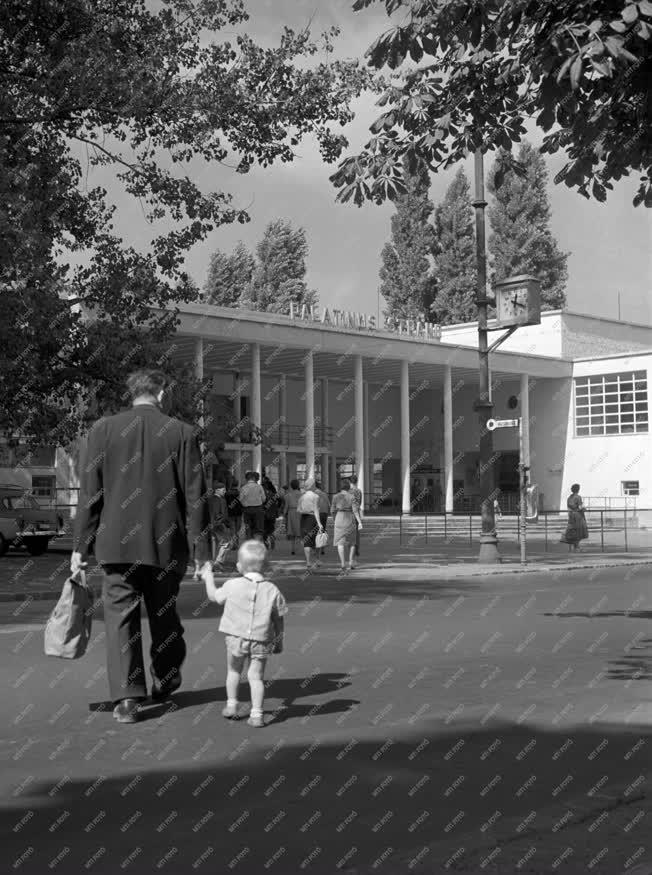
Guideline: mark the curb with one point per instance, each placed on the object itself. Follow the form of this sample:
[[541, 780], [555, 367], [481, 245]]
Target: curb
[[439, 572]]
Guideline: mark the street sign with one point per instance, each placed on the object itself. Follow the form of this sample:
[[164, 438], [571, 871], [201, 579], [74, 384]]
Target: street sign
[[502, 423]]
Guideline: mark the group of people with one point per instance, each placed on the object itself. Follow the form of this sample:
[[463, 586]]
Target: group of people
[[252, 511]]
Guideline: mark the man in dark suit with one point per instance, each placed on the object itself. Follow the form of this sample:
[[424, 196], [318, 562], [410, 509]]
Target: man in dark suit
[[143, 510]]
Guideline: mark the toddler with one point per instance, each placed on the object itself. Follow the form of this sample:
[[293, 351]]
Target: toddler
[[253, 624]]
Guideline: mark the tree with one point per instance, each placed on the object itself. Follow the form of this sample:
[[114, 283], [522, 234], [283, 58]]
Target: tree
[[521, 239], [229, 276], [581, 70], [142, 90], [455, 255], [407, 282], [279, 275]]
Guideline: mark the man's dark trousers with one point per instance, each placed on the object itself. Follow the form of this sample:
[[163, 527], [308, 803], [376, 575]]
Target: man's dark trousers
[[123, 588], [254, 520]]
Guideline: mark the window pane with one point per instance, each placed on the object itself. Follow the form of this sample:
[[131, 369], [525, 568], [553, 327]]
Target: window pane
[[627, 428], [597, 429], [611, 429], [582, 431], [613, 419], [596, 390]]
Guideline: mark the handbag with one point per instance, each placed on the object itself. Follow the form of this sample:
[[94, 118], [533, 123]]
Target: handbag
[[321, 540], [68, 629]]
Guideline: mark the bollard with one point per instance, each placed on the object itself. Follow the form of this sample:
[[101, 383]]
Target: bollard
[[625, 519], [445, 525], [426, 524], [545, 532], [400, 528], [602, 530], [471, 529]]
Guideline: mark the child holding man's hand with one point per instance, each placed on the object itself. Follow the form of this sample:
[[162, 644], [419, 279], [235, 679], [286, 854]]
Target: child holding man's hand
[[253, 624]]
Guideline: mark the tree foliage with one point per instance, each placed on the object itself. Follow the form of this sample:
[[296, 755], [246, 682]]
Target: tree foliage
[[455, 264], [521, 240], [580, 69], [229, 276], [279, 276], [407, 281], [142, 90]]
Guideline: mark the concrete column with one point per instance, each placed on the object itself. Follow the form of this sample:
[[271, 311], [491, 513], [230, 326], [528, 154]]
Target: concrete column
[[525, 414], [369, 479], [256, 405], [283, 418], [325, 457], [405, 436], [199, 368], [448, 439], [237, 396], [359, 424], [310, 414]]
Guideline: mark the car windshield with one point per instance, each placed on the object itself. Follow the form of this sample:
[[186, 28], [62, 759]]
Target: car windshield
[[18, 502]]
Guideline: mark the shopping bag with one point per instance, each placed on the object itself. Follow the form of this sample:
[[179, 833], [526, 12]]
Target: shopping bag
[[321, 540], [68, 629]]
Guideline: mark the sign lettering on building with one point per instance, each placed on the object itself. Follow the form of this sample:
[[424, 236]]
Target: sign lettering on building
[[364, 321]]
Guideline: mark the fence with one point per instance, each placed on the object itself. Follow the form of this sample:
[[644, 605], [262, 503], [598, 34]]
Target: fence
[[613, 529]]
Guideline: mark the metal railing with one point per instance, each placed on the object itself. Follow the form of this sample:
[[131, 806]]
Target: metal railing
[[614, 529], [282, 434]]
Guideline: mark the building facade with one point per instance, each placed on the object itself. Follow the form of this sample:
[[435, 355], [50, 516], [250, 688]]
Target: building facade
[[301, 397]]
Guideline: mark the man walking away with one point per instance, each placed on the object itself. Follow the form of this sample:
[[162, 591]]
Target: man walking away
[[252, 499], [357, 499], [143, 511]]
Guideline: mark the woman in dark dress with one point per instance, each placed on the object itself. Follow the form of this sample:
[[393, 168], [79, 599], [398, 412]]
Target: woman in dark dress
[[576, 530]]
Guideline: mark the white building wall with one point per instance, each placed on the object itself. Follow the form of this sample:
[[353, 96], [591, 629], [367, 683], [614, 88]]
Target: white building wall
[[600, 463]]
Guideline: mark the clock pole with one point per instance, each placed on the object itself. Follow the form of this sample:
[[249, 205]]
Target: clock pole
[[484, 407]]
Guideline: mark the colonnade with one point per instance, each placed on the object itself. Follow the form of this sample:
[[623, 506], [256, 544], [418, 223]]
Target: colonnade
[[363, 464]]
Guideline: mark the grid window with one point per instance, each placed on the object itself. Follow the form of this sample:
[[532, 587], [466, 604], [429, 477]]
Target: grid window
[[630, 487], [611, 404]]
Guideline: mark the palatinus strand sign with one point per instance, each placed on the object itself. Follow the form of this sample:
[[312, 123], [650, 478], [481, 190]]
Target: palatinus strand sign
[[364, 321]]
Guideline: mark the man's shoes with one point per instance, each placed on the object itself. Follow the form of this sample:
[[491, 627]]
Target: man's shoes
[[161, 692], [127, 711]]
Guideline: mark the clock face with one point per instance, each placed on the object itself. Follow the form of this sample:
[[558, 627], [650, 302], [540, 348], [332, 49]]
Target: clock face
[[512, 306]]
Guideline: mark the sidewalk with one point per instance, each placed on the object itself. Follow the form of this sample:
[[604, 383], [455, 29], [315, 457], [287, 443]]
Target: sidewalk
[[40, 578]]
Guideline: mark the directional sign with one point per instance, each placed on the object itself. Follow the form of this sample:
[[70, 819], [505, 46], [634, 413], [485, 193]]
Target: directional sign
[[501, 423]]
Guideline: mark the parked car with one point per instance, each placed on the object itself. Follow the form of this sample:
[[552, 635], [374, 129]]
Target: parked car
[[24, 523]]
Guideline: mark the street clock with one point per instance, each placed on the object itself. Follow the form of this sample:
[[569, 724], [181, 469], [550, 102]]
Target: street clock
[[518, 301]]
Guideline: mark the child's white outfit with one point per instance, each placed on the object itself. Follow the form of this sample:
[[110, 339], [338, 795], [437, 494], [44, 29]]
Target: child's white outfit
[[252, 608]]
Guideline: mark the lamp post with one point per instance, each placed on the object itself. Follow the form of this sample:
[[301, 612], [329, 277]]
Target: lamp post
[[484, 406]]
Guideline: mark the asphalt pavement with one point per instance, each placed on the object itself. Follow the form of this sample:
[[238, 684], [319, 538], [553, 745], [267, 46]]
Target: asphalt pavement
[[497, 723]]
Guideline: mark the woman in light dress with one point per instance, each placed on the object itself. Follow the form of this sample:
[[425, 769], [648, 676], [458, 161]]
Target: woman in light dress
[[346, 514], [311, 524], [291, 513]]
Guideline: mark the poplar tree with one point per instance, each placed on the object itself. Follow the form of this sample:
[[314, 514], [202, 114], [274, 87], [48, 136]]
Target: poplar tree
[[455, 255], [229, 276], [280, 273], [407, 280], [521, 240]]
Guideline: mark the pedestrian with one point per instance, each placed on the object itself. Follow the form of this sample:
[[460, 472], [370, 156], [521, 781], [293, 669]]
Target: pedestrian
[[346, 516], [324, 507], [357, 498], [252, 499], [253, 623], [576, 530], [291, 514], [310, 522], [142, 511], [271, 512], [221, 529], [234, 510]]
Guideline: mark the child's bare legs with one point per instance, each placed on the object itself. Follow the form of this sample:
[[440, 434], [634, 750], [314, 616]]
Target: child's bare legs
[[256, 678], [234, 666]]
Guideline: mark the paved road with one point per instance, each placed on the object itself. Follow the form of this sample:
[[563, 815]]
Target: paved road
[[415, 724]]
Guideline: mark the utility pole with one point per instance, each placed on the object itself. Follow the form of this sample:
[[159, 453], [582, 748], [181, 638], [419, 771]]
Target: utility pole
[[484, 406]]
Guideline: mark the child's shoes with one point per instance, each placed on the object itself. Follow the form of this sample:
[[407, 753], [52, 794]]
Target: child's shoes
[[230, 712], [256, 720]]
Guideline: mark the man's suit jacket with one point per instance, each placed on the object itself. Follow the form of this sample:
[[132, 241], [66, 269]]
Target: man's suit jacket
[[143, 494]]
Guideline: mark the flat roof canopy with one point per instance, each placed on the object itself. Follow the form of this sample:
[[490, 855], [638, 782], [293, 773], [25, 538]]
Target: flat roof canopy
[[228, 333]]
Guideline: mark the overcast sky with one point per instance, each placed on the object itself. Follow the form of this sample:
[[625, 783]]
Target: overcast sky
[[609, 243]]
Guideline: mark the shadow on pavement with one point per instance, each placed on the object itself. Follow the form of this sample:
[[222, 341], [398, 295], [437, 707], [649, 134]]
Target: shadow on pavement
[[274, 803]]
